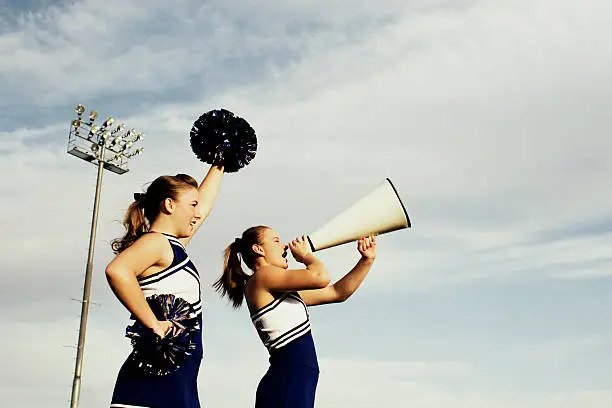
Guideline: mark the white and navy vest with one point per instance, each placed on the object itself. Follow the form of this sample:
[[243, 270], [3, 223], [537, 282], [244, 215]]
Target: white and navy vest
[[180, 279], [282, 321]]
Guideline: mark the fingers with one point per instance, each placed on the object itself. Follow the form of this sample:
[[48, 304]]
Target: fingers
[[366, 243], [371, 239], [303, 240], [168, 327], [367, 240], [176, 327]]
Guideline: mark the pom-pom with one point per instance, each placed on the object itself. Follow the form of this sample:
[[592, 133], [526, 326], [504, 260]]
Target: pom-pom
[[220, 137], [156, 356]]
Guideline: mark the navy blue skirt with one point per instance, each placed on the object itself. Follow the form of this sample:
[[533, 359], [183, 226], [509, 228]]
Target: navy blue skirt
[[291, 380], [178, 389]]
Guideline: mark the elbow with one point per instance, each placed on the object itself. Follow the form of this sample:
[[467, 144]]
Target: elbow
[[112, 274], [342, 297], [341, 294], [322, 278]]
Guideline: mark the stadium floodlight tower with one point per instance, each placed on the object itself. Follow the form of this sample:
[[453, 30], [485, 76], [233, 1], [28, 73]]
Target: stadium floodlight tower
[[108, 148]]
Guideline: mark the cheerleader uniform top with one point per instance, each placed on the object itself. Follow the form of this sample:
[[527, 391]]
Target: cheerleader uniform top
[[180, 279], [284, 328]]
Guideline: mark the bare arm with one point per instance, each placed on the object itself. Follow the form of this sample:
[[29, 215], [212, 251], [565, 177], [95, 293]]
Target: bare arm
[[349, 283], [314, 276], [121, 273], [208, 192]]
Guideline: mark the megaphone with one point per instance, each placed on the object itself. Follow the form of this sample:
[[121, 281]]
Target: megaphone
[[378, 212]]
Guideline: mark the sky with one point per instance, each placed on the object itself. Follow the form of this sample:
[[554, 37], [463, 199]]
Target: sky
[[490, 117]]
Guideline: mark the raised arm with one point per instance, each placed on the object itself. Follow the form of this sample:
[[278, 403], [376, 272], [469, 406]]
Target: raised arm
[[349, 283], [208, 192], [150, 250]]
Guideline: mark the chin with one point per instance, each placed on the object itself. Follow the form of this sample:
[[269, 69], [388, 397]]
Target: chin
[[185, 234]]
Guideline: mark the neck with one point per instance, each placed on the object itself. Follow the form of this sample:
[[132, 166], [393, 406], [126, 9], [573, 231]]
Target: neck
[[259, 263], [162, 224]]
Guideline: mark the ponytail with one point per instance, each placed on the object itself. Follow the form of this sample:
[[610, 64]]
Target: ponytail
[[135, 225], [232, 282]]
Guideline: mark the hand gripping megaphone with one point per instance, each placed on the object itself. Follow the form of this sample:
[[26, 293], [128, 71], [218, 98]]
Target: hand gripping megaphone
[[378, 212]]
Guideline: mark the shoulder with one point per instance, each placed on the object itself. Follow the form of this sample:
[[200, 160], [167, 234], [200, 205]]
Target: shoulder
[[152, 239], [151, 243], [148, 250]]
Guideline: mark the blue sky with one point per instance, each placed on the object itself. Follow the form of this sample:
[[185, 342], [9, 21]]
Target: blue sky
[[491, 118]]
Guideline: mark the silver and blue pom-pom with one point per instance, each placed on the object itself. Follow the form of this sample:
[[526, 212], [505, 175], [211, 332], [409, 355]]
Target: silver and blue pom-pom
[[155, 356], [222, 138]]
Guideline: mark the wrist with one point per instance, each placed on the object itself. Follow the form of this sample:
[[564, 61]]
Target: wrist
[[153, 324], [309, 259], [367, 259]]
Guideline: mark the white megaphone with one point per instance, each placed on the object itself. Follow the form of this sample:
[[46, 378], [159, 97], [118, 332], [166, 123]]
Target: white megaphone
[[378, 212]]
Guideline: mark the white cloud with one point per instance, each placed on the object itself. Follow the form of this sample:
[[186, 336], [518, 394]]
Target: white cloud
[[491, 119]]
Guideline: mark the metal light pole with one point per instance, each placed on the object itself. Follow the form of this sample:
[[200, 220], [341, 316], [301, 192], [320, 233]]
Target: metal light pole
[[108, 149]]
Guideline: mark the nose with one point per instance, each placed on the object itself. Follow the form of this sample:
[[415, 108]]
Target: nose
[[197, 214]]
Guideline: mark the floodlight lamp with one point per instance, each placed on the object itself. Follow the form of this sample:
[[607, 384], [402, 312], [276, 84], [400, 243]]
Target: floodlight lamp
[[119, 128], [94, 129], [108, 122], [79, 109], [93, 115]]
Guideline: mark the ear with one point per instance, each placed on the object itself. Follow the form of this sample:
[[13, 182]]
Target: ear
[[169, 205], [258, 249]]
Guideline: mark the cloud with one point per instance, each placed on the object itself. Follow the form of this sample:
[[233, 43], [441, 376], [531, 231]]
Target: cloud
[[491, 120], [82, 46]]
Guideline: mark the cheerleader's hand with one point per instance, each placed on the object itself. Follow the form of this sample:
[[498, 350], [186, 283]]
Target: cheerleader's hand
[[367, 247], [300, 248], [163, 327]]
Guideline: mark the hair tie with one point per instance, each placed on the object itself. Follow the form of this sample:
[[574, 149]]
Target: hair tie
[[238, 242], [139, 196]]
